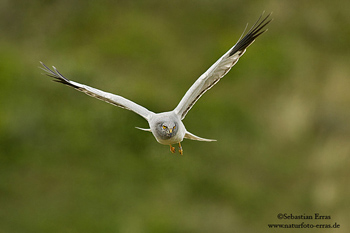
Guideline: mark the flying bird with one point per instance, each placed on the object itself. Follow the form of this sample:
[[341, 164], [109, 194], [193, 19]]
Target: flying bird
[[167, 127]]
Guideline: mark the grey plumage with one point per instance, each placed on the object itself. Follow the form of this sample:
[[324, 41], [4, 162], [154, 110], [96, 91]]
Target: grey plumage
[[167, 127], [220, 68]]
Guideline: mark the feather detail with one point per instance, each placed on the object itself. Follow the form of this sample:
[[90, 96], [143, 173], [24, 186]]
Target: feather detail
[[191, 136], [220, 68]]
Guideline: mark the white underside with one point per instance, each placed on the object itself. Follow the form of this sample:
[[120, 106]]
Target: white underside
[[176, 139]]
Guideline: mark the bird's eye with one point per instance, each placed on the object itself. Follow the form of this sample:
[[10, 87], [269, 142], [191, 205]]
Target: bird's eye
[[174, 127], [164, 127]]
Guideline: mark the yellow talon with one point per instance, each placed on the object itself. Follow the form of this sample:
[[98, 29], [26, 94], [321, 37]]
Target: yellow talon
[[181, 151], [172, 149]]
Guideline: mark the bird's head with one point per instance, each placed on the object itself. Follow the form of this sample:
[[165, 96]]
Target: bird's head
[[167, 129]]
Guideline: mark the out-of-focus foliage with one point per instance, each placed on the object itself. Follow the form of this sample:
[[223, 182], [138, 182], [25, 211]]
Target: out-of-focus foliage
[[69, 163]]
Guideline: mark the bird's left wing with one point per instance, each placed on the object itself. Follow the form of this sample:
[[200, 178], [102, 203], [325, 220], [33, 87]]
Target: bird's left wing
[[220, 68], [105, 96]]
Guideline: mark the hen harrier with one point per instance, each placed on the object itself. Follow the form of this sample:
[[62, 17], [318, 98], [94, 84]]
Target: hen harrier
[[167, 127]]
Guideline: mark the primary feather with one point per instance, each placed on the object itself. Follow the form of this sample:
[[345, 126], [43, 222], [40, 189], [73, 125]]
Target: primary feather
[[220, 68], [101, 95]]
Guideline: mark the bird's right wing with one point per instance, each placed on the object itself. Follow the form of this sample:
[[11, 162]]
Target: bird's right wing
[[219, 68], [101, 95]]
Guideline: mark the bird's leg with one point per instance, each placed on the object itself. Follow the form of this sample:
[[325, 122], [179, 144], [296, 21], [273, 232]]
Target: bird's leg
[[172, 149], [180, 149]]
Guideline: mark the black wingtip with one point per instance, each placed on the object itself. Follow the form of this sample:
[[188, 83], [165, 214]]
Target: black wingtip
[[57, 76], [256, 30]]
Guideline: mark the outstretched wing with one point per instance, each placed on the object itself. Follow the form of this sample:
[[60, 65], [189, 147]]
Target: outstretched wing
[[220, 68], [101, 95]]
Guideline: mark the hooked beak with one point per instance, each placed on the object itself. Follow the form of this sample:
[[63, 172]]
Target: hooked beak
[[170, 130]]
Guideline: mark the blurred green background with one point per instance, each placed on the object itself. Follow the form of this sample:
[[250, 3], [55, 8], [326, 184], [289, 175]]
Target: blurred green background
[[70, 163]]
